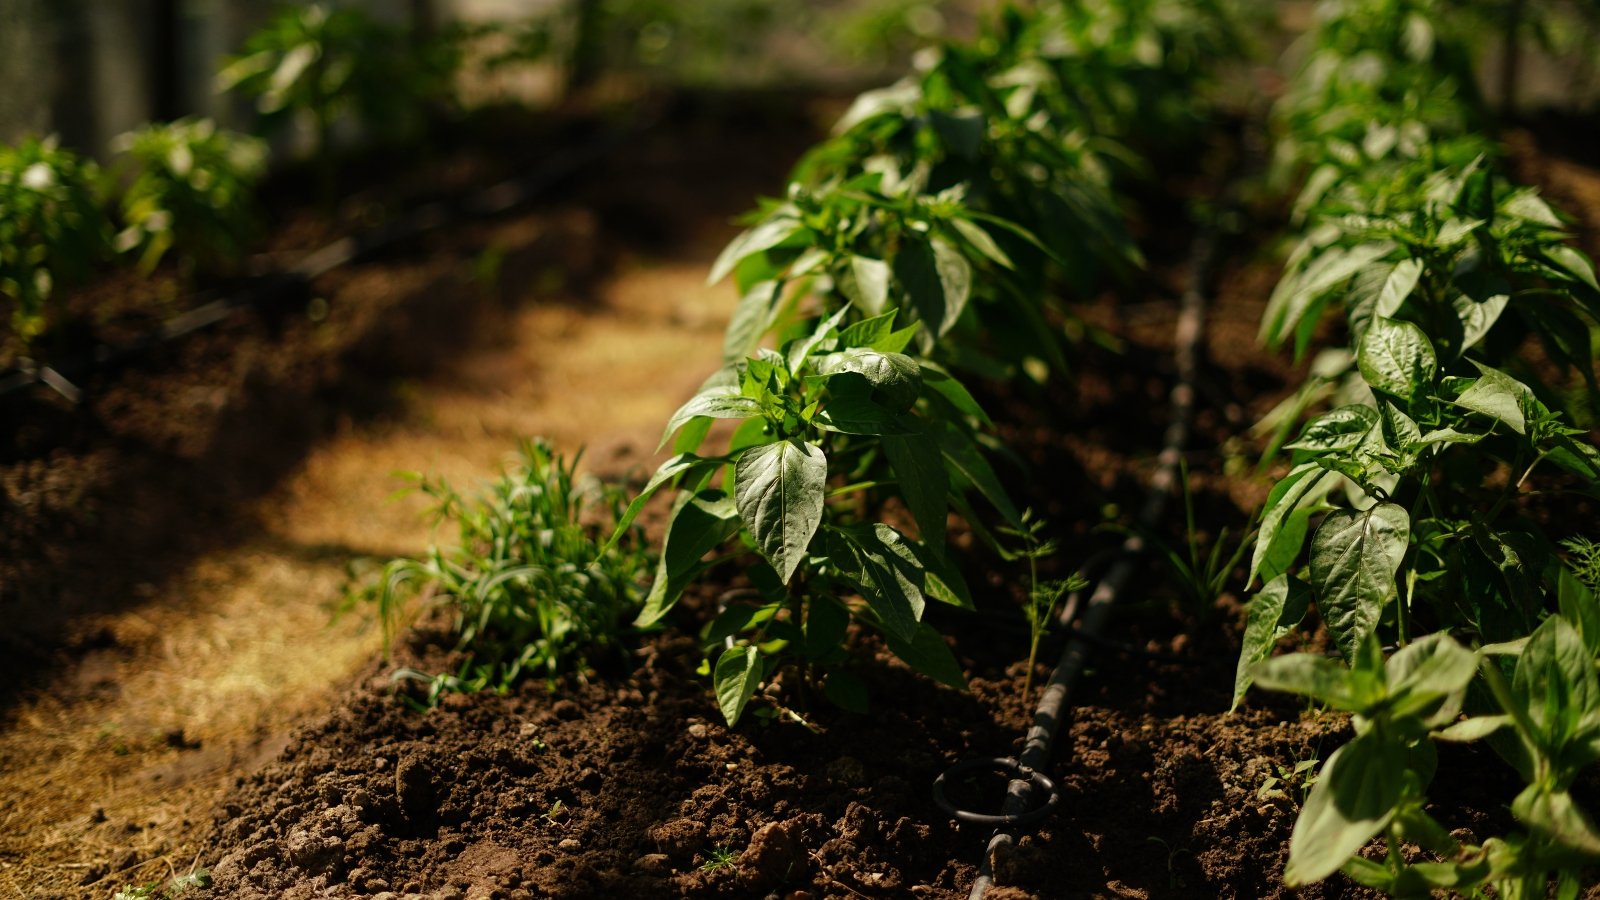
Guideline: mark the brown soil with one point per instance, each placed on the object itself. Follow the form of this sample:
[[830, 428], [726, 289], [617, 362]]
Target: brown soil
[[624, 783]]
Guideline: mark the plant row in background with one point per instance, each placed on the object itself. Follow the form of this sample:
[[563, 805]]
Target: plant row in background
[[930, 241], [186, 188], [1456, 399]]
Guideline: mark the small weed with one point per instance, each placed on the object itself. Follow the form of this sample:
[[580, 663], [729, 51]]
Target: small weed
[[719, 858], [200, 878], [528, 584], [1297, 779], [1043, 596]]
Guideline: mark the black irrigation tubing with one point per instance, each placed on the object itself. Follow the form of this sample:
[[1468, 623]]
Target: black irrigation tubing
[[495, 200], [1019, 807]]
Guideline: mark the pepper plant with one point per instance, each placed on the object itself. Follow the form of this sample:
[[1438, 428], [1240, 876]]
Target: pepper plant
[[192, 190], [836, 415], [52, 230]]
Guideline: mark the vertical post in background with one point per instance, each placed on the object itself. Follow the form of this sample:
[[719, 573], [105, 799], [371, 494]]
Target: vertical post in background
[[1511, 59], [588, 45], [167, 95]]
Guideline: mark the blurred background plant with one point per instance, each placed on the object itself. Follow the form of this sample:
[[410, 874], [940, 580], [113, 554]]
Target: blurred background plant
[[192, 189], [51, 228]]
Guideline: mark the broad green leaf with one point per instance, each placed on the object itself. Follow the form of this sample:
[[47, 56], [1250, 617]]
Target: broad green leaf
[[1555, 682], [897, 99], [1477, 316], [1456, 231], [1274, 546], [1573, 263], [1337, 429], [1527, 205], [937, 278], [866, 283], [883, 567], [699, 524], [946, 385], [868, 332], [720, 403], [923, 482], [1428, 677], [982, 241], [1395, 357], [825, 330], [1554, 814], [1354, 556], [895, 377], [962, 457], [1310, 675], [1296, 293], [1355, 797], [1400, 431], [751, 319], [1473, 729], [852, 408], [765, 236], [736, 676], [927, 653], [1398, 286], [1498, 396], [780, 489], [1579, 606], [1274, 611]]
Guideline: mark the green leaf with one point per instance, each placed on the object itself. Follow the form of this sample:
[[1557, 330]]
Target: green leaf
[[852, 407], [1354, 557], [1398, 286], [923, 483], [927, 653], [1579, 606], [780, 488], [877, 560], [1310, 675], [718, 403], [868, 332], [1337, 429], [1274, 611], [1427, 678], [895, 377], [1356, 795], [762, 237], [1573, 263], [1473, 729], [1477, 316], [866, 283], [1277, 546], [946, 386], [1554, 814], [736, 676], [699, 524], [962, 457], [1396, 357], [1295, 294], [1555, 683], [751, 319], [1498, 396], [982, 241], [937, 278]]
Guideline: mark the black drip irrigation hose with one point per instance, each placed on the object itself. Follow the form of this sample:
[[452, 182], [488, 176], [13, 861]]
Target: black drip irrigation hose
[[494, 200], [1020, 808]]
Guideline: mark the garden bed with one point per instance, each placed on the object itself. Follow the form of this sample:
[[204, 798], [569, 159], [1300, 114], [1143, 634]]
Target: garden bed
[[627, 783]]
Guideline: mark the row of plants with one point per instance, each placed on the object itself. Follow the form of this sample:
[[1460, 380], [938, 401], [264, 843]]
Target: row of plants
[[187, 187], [933, 239], [1413, 514]]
